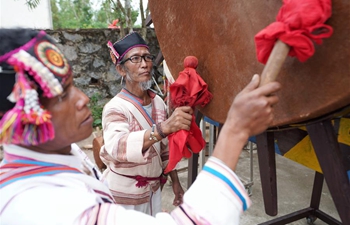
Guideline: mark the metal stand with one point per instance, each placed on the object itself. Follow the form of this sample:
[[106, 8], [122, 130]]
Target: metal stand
[[214, 129], [311, 213], [193, 161], [248, 184]]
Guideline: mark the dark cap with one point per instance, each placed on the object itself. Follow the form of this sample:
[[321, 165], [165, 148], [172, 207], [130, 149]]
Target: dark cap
[[124, 45]]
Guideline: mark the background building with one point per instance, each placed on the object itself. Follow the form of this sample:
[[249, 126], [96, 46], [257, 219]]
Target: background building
[[16, 13]]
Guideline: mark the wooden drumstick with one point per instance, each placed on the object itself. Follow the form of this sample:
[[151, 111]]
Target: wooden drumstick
[[274, 63]]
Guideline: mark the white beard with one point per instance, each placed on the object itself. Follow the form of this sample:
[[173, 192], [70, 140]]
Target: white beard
[[145, 85]]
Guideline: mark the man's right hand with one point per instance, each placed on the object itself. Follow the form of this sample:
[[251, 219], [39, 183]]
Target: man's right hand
[[180, 119], [252, 109]]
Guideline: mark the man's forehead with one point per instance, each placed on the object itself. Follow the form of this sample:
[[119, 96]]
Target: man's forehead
[[137, 51]]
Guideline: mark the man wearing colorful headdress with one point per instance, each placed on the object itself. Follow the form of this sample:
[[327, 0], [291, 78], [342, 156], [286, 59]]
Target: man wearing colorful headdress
[[135, 129], [42, 113], [46, 179]]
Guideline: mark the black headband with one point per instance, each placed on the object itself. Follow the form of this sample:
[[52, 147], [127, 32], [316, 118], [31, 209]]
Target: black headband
[[123, 46]]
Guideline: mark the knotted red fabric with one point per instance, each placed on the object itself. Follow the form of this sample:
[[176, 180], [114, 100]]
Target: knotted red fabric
[[144, 181], [297, 23], [189, 89]]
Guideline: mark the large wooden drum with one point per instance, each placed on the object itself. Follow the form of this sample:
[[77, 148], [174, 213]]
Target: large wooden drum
[[221, 35]]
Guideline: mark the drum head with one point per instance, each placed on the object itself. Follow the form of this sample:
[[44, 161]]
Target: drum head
[[221, 35]]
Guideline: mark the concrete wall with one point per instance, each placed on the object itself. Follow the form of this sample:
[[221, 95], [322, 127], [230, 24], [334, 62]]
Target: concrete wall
[[15, 13], [93, 69]]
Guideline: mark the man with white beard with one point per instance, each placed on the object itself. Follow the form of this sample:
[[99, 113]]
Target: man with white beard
[[135, 128]]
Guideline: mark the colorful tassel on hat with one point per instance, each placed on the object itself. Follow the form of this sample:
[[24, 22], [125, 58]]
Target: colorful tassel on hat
[[39, 65], [27, 123]]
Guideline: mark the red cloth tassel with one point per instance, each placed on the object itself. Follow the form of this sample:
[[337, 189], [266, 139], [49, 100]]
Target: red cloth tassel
[[298, 23], [183, 143], [189, 89]]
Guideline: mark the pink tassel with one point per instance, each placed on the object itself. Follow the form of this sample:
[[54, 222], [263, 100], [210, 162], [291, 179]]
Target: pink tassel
[[17, 127], [13, 130]]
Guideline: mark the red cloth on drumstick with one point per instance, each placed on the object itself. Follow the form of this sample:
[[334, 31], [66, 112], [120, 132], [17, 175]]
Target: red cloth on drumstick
[[189, 89], [297, 22]]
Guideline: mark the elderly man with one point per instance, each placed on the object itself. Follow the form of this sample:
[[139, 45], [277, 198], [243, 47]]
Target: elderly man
[[46, 179], [135, 126]]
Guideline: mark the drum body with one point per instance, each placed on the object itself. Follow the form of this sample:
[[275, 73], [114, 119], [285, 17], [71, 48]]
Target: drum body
[[221, 35]]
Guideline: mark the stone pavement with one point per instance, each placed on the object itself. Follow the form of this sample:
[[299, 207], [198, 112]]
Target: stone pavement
[[294, 183]]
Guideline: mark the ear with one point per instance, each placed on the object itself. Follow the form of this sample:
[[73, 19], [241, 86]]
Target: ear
[[120, 69]]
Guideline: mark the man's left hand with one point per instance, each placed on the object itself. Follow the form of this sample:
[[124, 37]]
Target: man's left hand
[[178, 192]]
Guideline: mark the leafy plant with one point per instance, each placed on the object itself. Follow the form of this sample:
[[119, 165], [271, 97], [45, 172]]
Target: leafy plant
[[83, 14], [96, 110]]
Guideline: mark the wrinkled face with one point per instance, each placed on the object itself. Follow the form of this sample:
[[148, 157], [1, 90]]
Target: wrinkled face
[[71, 116], [136, 73]]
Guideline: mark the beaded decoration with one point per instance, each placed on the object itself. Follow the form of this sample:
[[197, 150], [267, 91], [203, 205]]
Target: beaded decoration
[[52, 58], [39, 64], [41, 74]]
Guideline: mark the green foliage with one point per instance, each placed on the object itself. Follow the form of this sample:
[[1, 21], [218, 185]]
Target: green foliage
[[134, 15], [74, 14], [55, 14], [96, 110], [106, 14]]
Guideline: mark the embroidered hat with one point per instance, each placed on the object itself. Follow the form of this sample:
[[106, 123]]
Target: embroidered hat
[[123, 46], [37, 68]]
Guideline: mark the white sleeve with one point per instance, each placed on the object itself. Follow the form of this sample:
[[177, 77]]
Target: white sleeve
[[48, 204], [216, 197]]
